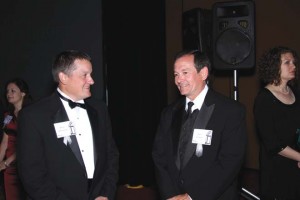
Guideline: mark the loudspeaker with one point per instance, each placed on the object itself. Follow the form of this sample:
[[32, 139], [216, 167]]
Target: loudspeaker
[[233, 35], [196, 27]]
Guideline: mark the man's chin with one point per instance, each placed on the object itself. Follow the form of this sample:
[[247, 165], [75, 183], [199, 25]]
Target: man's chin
[[182, 92], [87, 95]]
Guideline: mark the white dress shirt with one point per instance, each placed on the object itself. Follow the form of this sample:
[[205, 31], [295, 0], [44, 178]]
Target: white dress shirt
[[198, 101], [79, 118]]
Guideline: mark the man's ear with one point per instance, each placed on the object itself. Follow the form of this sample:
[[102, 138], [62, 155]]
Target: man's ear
[[204, 73], [62, 77]]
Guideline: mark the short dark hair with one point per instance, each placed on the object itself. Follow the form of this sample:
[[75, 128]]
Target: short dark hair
[[270, 62], [200, 58], [64, 62]]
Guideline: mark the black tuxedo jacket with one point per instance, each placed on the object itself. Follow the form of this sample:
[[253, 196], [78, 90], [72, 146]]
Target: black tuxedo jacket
[[49, 169], [213, 175]]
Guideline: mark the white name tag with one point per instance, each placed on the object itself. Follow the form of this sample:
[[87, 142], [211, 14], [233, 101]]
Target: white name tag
[[202, 136], [64, 129], [7, 119]]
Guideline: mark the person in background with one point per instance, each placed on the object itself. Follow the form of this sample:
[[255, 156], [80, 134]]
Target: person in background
[[1, 116], [277, 118], [66, 150], [2, 195], [18, 96], [200, 143]]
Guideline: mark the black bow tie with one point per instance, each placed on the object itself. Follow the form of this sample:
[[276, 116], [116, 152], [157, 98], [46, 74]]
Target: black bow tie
[[72, 104]]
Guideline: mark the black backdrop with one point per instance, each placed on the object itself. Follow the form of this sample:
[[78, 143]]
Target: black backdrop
[[34, 31], [134, 40]]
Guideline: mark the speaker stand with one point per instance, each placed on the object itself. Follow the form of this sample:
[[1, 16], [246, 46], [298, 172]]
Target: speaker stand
[[235, 86]]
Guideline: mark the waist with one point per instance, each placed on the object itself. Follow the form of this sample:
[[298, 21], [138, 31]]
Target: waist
[[90, 182]]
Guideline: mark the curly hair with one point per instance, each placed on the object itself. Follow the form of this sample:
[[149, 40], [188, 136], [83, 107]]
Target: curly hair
[[270, 62]]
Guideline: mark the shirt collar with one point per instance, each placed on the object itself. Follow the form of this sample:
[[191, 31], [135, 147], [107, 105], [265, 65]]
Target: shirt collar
[[63, 94], [198, 101]]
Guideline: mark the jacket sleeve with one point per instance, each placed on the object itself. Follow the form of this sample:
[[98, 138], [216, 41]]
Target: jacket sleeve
[[31, 162]]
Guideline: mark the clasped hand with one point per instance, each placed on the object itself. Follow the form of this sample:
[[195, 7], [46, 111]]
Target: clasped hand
[[2, 165], [181, 197]]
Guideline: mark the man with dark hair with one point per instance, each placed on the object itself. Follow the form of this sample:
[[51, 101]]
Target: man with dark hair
[[201, 139], [65, 148]]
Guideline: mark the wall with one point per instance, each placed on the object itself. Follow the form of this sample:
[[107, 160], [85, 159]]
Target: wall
[[276, 24], [33, 32]]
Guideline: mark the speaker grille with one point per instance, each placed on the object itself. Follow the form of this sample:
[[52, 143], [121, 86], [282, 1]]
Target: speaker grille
[[233, 46], [233, 35]]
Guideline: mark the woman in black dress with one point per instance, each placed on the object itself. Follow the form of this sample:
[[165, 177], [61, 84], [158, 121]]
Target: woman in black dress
[[277, 117]]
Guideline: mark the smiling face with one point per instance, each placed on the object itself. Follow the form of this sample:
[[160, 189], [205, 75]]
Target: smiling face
[[14, 95], [288, 67], [189, 82], [77, 84]]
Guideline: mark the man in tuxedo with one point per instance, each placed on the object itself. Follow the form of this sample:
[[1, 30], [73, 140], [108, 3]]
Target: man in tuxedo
[[65, 146], [200, 143]]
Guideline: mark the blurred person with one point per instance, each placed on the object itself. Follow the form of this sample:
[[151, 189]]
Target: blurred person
[[200, 144], [277, 118], [1, 116], [2, 195], [18, 96], [66, 150]]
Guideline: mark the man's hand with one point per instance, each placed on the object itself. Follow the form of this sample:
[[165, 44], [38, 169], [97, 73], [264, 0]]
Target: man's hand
[[181, 197]]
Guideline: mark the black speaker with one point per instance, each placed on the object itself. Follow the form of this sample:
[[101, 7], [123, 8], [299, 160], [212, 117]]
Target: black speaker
[[233, 35], [197, 30]]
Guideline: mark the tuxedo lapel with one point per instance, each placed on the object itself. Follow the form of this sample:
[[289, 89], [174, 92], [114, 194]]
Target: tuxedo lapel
[[200, 123], [61, 116], [178, 114], [204, 116]]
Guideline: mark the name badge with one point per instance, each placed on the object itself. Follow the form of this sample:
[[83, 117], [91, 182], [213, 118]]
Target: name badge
[[7, 119], [64, 129], [202, 136]]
